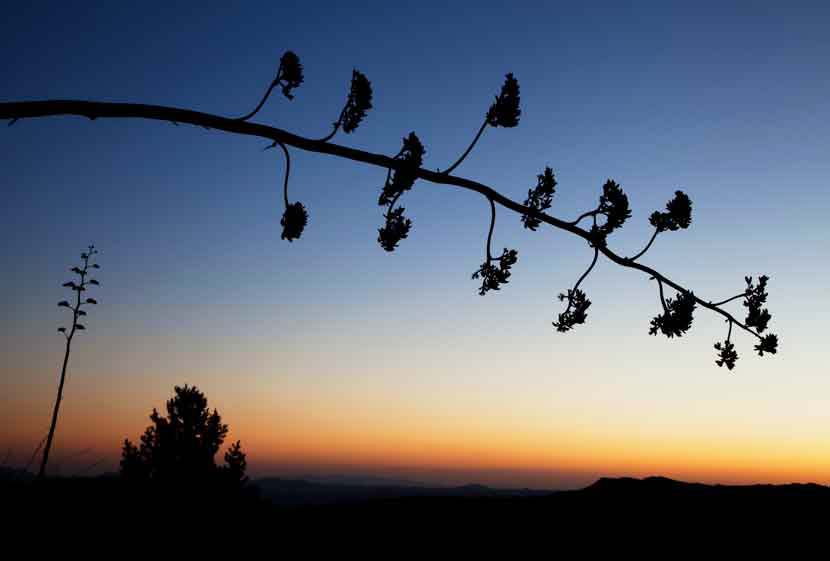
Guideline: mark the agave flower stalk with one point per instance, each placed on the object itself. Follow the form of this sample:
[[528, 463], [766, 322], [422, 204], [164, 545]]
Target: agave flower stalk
[[84, 281], [404, 169]]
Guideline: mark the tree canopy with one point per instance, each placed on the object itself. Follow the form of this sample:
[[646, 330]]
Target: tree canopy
[[182, 445]]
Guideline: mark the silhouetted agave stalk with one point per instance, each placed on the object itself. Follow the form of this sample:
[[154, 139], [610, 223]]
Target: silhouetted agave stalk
[[84, 281], [406, 167]]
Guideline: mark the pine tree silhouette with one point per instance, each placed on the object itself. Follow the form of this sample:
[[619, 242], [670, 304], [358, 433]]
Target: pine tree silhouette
[[181, 446]]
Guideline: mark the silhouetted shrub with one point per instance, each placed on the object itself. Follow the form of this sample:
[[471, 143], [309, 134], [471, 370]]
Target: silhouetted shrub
[[180, 447]]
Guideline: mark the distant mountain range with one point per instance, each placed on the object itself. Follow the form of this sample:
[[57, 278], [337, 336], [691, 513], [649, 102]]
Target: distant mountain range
[[642, 509], [348, 489], [640, 506], [344, 479], [314, 490], [608, 491]]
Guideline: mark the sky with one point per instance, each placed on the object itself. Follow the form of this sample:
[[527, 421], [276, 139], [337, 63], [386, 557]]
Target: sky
[[329, 355]]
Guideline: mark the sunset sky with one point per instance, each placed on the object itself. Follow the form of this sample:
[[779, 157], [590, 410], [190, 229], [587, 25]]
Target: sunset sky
[[331, 356]]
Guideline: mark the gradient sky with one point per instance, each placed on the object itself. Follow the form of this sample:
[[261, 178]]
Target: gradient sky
[[329, 355]]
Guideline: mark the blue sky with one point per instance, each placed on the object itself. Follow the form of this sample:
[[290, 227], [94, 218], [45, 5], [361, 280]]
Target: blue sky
[[725, 100]]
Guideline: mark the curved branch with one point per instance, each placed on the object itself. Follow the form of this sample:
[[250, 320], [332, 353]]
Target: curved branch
[[585, 215], [264, 98], [722, 302], [336, 126], [287, 172], [648, 245], [332, 133], [468, 150], [573, 292], [96, 109], [587, 271], [394, 201], [662, 296], [490, 233]]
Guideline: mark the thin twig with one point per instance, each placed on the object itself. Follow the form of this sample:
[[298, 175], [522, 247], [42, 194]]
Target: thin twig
[[588, 270], [662, 297], [332, 133], [265, 97], [394, 200], [468, 150], [578, 282], [648, 245], [336, 125], [585, 215], [722, 302], [287, 172], [490, 232]]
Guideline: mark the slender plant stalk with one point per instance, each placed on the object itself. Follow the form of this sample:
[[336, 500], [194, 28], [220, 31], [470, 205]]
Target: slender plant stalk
[[722, 302], [264, 98], [287, 173], [588, 270], [468, 150], [336, 127], [76, 313], [648, 245], [490, 232], [45, 459]]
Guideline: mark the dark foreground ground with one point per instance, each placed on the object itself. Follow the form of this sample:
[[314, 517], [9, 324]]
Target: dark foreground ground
[[630, 509]]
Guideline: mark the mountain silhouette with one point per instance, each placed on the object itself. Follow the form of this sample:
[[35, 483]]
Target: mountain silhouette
[[296, 492], [638, 509]]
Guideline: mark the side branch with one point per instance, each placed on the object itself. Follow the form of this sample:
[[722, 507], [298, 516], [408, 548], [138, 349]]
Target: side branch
[[722, 302], [587, 271], [490, 232], [287, 173], [468, 150], [93, 110], [261, 102], [648, 245]]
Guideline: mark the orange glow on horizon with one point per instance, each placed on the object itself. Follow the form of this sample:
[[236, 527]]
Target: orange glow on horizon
[[461, 449]]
